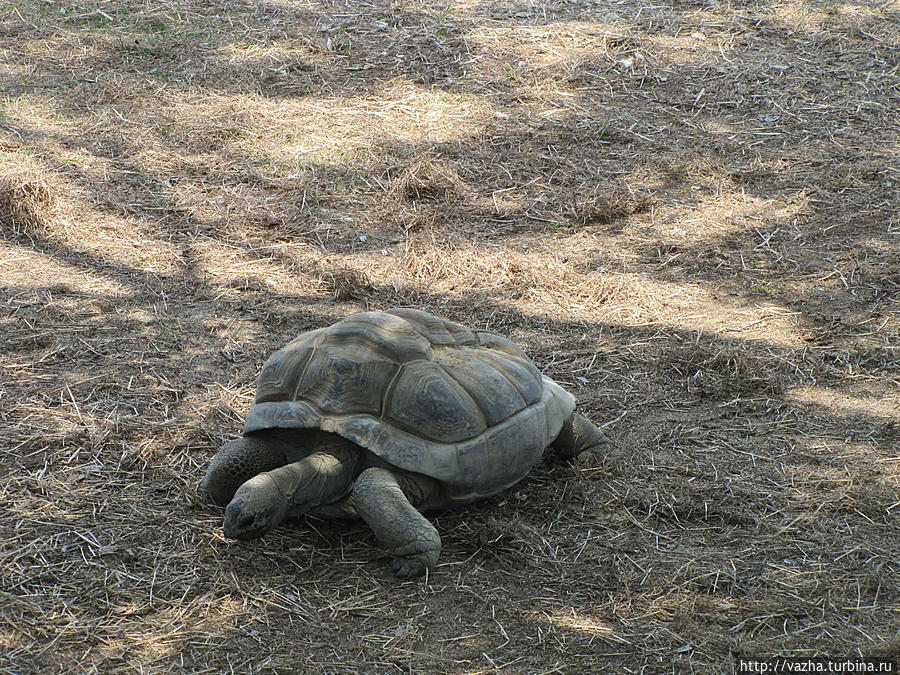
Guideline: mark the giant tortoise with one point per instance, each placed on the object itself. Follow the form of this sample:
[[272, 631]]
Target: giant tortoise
[[387, 414]]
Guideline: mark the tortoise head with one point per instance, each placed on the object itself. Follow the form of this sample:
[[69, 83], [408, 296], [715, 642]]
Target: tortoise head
[[257, 507]]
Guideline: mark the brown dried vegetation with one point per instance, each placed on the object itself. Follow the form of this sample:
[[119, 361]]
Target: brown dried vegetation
[[685, 212], [27, 202]]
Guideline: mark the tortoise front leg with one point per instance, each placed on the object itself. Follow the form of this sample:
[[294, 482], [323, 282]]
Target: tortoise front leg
[[387, 500], [238, 461], [265, 500], [580, 440]]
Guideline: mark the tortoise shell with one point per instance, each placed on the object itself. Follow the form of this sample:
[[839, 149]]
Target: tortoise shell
[[467, 408]]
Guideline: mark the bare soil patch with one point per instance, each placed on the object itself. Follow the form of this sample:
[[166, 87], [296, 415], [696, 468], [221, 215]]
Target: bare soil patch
[[686, 213]]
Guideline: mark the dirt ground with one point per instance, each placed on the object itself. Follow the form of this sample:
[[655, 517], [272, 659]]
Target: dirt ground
[[686, 213]]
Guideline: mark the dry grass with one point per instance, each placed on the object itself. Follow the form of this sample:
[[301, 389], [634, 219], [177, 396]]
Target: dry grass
[[27, 202], [684, 212]]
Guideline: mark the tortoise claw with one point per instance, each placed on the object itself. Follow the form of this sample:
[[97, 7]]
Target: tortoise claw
[[414, 566], [593, 459]]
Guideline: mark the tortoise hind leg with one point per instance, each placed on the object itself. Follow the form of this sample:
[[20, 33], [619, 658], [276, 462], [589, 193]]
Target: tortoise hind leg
[[238, 461], [580, 440], [386, 499]]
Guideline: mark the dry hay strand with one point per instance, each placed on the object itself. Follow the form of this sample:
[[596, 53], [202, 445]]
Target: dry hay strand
[[685, 171], [28, 202], [255, 206], [429, 178], [889, 649], [417, 194], [607, 203], [723, 371], [349, 284]]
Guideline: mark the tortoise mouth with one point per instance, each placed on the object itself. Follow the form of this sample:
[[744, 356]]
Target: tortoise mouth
[[233, 532], [241, 525]]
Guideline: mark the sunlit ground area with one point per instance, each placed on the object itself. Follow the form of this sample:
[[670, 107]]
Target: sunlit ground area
[[686, 213]]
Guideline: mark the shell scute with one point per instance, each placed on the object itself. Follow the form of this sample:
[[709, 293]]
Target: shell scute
[[470, 462], [520, 372], [500, 344], [428, 402], [436, 330], [281, 371], [343, 383], [516, 434], [381, 334], [496, 397]]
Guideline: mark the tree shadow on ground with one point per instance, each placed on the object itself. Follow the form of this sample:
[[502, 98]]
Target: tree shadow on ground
[[671, 522]]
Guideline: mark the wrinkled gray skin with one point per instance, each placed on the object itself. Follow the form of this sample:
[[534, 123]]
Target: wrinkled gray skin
[[268, 476]]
